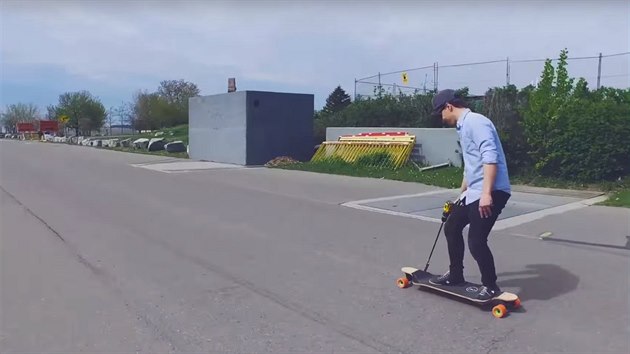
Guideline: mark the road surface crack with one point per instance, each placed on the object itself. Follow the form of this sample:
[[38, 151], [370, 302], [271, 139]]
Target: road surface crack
[[33, 214], [159, 328], [368, 341], [493, 345]]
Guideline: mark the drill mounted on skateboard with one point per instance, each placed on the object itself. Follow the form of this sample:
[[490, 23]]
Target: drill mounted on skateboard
[[446, 211]]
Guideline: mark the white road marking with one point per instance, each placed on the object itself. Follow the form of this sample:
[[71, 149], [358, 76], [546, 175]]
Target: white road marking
[[525, 218], [186, 166], [499, 225], [364, 201]]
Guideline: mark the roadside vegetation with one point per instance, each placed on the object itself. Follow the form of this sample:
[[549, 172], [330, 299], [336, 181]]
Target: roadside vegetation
[[177, 133], [559, 133], [447, 177], [619, 199]]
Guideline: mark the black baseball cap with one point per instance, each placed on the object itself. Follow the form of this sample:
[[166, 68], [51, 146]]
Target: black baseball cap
[[441, 99]]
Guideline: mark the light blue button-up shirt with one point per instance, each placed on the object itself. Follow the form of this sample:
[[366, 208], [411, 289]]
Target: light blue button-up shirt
[[481, 145]]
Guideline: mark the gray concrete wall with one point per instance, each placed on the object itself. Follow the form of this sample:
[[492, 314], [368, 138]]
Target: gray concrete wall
[[117, 130], [217, 128], [433, 145], [251, 127], [279, 124]]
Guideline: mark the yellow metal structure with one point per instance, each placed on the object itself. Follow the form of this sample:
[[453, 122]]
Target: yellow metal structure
[[30, 136], [389, 149]]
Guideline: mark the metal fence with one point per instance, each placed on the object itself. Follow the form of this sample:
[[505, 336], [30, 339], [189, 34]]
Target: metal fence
[[611, 70]]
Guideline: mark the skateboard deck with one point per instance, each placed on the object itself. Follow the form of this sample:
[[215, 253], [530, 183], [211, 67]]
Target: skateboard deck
[[467, 291]]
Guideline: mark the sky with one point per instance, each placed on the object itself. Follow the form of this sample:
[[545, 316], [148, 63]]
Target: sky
[[114, 48]]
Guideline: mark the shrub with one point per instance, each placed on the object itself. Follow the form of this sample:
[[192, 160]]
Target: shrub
[[386, 110], [377, 159], [504, 105], [593, 142], [558, 129], [575, 133]]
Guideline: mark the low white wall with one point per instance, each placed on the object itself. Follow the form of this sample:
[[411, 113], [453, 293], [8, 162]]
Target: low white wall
[[433, 145]]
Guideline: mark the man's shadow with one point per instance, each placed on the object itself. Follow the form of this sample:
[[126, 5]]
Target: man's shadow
[[542, 281]]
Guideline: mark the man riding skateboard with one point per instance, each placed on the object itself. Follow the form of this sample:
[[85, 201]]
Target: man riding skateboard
[[485, 191]]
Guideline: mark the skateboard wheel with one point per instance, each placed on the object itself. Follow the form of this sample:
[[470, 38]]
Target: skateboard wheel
[[402, 282], [517, 303], [499, 311]]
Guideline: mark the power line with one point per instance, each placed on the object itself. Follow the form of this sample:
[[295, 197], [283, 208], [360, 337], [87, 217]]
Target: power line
[[476, 63], [507, 69], [396, 72], [528, 60], [391, 85], [491, 62], [615, 55]]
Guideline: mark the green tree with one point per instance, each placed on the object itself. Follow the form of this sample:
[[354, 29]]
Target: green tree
[[593, 144], [564, 83], [174, 95], [388, 110], [336, 101], [51, 113], [145, 111], [541, 120], [166, 107], [575, 133], [504, 105], [85, 112], [19, 113]]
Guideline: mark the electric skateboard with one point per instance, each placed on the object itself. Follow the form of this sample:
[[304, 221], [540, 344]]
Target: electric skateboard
[[467, 291]]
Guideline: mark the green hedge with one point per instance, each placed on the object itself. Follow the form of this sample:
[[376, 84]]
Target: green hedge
[[576, 133], [591, 139], [558, 129], [385, 110]]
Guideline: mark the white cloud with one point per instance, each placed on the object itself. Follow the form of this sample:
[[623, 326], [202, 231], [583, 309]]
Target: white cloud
[[300, 44]]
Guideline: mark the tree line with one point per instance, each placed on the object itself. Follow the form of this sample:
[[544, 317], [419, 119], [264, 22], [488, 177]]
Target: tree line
[[558, 128], [84, 113]]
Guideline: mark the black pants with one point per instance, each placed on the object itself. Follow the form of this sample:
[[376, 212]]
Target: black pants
[[477, 237]]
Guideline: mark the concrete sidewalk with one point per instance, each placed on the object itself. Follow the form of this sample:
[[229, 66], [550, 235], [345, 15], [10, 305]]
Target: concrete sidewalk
[[525, 205]]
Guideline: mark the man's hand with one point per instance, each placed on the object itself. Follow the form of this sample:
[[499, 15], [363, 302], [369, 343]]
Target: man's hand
[[485, 202], [485, 205]]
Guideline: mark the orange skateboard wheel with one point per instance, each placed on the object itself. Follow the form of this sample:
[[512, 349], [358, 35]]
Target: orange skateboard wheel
[[499, 311], [517, 303], [402, 282]]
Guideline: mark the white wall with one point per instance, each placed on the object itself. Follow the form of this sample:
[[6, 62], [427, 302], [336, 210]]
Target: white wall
[[217, 128], [433, 145]]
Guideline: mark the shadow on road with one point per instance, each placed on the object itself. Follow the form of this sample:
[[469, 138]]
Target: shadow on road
[[542, 281]]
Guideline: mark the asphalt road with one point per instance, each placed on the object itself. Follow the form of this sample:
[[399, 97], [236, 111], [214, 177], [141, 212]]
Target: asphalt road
[[100, 256]]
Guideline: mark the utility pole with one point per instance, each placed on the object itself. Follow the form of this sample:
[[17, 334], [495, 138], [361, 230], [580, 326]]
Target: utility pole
[[424, 86], [121, 115], [599, 71], [435, 76], [507, 71], [110, 116]]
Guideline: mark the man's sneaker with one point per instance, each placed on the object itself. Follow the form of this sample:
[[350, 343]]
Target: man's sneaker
[[487, 293], [447, 279]]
